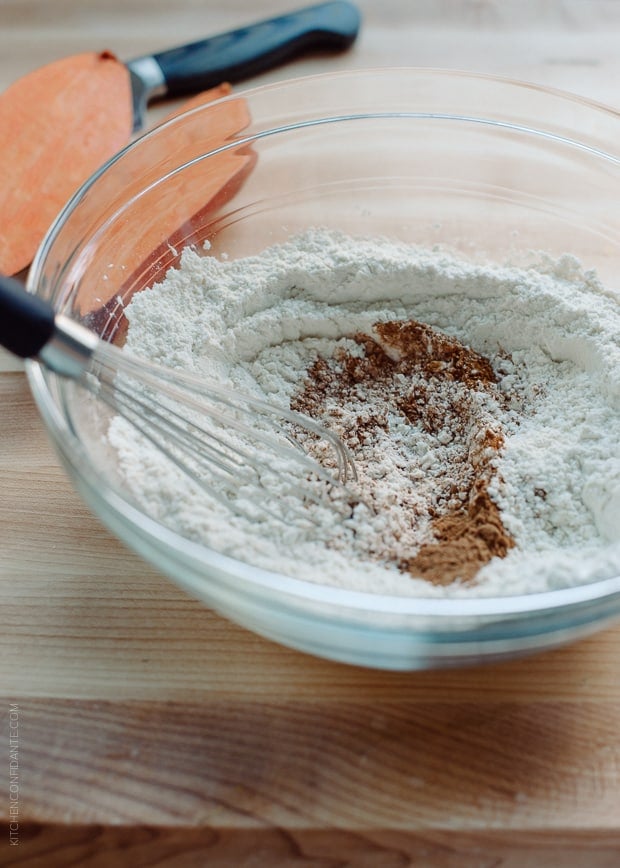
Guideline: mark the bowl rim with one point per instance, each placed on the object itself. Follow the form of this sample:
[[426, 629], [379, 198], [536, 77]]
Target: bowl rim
[[300, 81], [76, 457]]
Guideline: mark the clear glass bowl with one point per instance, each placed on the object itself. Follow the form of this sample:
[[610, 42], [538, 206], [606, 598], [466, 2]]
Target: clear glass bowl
[[489, 167]]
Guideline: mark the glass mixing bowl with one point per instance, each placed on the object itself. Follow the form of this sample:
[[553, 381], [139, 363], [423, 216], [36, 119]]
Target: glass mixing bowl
[[489, 167]]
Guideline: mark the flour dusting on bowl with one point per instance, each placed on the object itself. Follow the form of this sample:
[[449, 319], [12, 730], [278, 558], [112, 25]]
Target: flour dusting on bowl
[[481, 404]]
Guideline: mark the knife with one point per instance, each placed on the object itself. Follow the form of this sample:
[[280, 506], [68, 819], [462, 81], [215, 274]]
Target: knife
[[240, 53]]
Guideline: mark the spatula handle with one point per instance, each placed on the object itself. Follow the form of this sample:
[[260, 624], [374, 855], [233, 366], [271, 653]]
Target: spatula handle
[[26, 321], [250, 50]]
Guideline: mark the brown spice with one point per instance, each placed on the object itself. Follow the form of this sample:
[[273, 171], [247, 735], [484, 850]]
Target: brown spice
[[436, 353], [465, 541], [440, 387]]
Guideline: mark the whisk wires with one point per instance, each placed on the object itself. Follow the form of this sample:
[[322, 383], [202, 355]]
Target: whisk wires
[[233, 445]]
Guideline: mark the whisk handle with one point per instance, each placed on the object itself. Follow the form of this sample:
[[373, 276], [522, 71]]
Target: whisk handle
[[30, 328], [26, 320]]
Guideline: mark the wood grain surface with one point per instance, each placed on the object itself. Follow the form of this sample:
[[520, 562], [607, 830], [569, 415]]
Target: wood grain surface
[[153, 732]]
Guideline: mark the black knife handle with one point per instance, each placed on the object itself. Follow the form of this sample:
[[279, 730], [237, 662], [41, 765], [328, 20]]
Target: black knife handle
[[250, 50], [26, 321]]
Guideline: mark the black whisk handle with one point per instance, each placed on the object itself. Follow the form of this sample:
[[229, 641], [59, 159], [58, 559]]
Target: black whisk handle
[[26, 321]]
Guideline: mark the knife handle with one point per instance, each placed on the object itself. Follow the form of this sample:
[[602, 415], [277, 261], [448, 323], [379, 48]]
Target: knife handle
[[250, 50]]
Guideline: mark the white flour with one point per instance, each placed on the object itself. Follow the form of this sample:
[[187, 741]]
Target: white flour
[[259, 323]]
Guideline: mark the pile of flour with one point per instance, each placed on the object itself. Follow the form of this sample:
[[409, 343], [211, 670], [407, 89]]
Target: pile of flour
[[259, 323]]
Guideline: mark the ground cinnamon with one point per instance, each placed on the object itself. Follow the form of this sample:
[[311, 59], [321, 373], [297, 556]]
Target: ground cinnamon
[[409, 373]]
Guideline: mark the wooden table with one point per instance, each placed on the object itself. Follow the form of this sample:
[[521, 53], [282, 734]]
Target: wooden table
[[151, 731]]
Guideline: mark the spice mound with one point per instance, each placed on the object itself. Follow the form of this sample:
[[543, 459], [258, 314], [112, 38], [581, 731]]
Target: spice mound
[[415, 408]]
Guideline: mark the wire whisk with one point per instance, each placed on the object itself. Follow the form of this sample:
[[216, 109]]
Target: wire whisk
[[254, 457]]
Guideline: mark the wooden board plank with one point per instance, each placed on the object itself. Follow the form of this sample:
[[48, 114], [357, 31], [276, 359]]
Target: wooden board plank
[[353, 765], [144, 846]]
